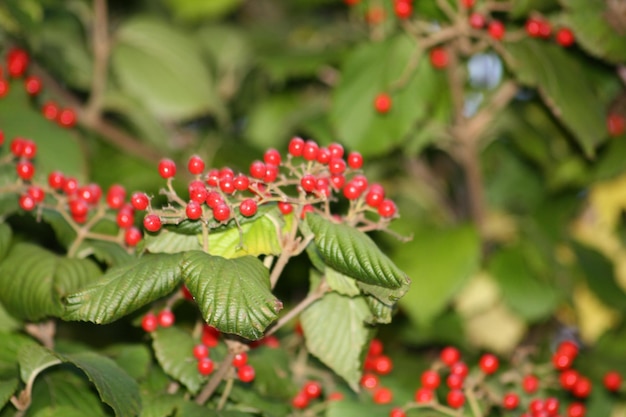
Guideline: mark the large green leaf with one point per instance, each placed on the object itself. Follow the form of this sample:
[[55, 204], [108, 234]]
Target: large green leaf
[[354, 254], [167, 241], [33, 360], [7, 389], [599, 30], [339, 343], [115, 387], [134, 359], [565, 87], [524, 292], [440, 261], [341, 283], [125, 288], [12, 344], [233, 294], [162, 68], [173, 348], [372, 69], [34, 280]]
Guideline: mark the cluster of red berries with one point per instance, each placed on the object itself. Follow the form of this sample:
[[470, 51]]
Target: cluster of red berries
[[538, 27], [375, 364], [150, 322], [318, 173], [17, 61]]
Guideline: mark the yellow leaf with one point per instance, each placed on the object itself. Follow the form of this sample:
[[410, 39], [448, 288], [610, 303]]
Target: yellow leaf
[[594, 318]]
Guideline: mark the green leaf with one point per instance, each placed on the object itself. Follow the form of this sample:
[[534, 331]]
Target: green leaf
[[522, 290], [33, 360], [109, 253], [6, 235], [114, 386], [34, 280], [521, 8], [272, 379], [125, 288], [251, 400], [162, 68], [12, 344], [233, 294], [62, 411], [372, 69], [167, 241], [339, 343], [354, 254], [7, 322], [158, 405], [7, 389], [134, 359], [441, 262], [600, 275], [598, 29], [341, 283], [347, 408], [198, 10], [190, 409], [565, 87], [172, 347], [381, 312]]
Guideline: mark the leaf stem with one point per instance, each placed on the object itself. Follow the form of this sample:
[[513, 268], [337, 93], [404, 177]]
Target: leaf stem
[[101, 49], [307, 301]]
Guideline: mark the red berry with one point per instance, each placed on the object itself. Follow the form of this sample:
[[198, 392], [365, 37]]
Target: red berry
[[116, 196], [226, 173], [403, 8], [125, 217], [455, 381], [468, 3], [568, 378], [351, 191], [200, 351], [450, 355], [25, 170], [375, 348], [241, 182], [397, 412], [166, 318], [227, 185], [477, 20], [545, 29], [221, 212], [56, 180], [300, 401], [424, 395], [382, 103], [205, 366], [369, 381], [459, 368], [195, 165], [576, 410], [167, 168], [323, 156], [140, 201], [132, 236], [70, 185], [193, 210], [310, 150], [17, 62], [562, 361], [271, 173], [210, 336], [551, 405], [149, 322], [248, 207], [336, 150], [496, 30], [17, 147], [312, 389], [91, 193], [4, 87], [532, 27], [387, 208], [246, 373], [50, 110], [337, 166], [307, 208], [26, 202], [308, 182], [612, 380], [257, 170], [439, 58], [66, 118], [382, 395], [383, 365], [536, 406], [565, 37], [488, 363], [32, 85], [455, 398], [36, 192], [212, 177], [355, 160], [616, 124], [284, 207], [430, 379], [530, 383], [78, 208], [296, 146], [29, 149], [240, 359], [582, 387], [272, 156], [510, 401], [152, 223], [568, 348]]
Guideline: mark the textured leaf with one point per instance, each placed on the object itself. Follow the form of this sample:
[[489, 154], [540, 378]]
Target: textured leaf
[[371, 69], [380, 312], [354, 254], [33, 360], [6, 235], [565, 87], [125, 288], [339, 343], [172, 347], [34, 280], [115, 387], [522, 291], [162, 68], [171, 242], [440, 261], [109, 253], [598, 29], [12, 343], [7, 389], [233, 294], [341, 283]]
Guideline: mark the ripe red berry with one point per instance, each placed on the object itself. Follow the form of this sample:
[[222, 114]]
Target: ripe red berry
[[17, 147], [387, 208], [616, 124], [568, 378], [167, 168], [241, 182], [50, 110], [284, 207], [125, 217], [308, 182], [246, 373], [300, 401], [4, 87], [193, 210], [29, 149], [309, 151], [382, 103], [455, 398], [17, 62], [272, 156], [200, 351], [296, 146], [166, 318], [271, 173], [450, 355], [565, 37], [195, 165], [477, 20], [496, 30], [430, 379], [132, 236], [70, 185], [26, 202], [25, 170], [337, 166], [323, 156], [56, 180], [248, 207], [355, 160], [205, 366], [66, 118], [312, 389], [459, 368], [439, 58], [91, 193], [510, 401], [488, 363], [536, 406], [36, 192], [532, 27], [307, 208], [149, 322], [568, 348], [351, 191], [530, 383], [612, 380], [382, 395], [582, 387], [576, 410], [551, 405], [375, 348], [152, 223], [397, 412], [336, 150], [227, 185], [424, 395], [221, 212], [383, 365], [403, 8], [369, 381], [140, 201], [32, 85], [455, 381], [561, 361], [468, 3], [240, 359], [116, 196], [375, 196]]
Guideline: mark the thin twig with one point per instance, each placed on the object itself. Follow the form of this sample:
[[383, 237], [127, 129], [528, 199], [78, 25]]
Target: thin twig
[[302, 305], [101, 47]]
